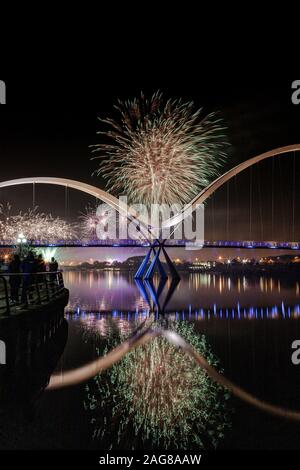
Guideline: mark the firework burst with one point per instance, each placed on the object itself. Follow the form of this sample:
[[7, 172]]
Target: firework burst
[[89, 221], [160, 151], [36, 226], [103, 222]]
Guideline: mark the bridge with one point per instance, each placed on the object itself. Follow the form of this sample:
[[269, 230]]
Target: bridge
[[174, 221], [248, 245]]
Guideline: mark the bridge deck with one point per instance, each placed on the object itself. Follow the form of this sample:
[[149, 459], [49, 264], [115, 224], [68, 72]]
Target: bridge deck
[[272, 245]]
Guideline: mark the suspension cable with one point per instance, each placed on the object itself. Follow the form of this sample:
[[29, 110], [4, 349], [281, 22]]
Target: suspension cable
[[227, 211], [213, 216], [33, 195], [272, 207], [250, 203], [260, 205], [66, 202], [294, 196]]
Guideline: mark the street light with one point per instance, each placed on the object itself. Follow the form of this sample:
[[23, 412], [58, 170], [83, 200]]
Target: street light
[[21, 240]]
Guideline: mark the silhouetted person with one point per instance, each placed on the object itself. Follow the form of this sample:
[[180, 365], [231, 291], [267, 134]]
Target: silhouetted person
[[53, 265], [40, 264], [15, 280], [53, 268], [29, 270]]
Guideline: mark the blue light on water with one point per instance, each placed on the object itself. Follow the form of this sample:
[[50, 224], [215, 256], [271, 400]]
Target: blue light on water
[[231, 313]]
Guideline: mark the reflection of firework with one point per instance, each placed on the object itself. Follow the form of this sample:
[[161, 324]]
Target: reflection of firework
[[34, 225], [157, 397], [161, 152]]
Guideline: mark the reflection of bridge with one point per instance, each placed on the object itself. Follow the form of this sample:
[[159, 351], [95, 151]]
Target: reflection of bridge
[[275, 312], [263, 245]]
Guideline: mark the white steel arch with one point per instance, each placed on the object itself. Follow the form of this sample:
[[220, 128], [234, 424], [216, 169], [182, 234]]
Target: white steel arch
[[217, 183], [98, 193], [130, 213]]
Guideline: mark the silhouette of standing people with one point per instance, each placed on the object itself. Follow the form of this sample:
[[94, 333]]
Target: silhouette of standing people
[[29, 267], [15, 280], [53, 265], [40, 264], [53, 268]]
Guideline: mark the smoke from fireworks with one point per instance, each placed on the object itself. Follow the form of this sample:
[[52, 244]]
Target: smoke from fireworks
[[34, 225], [160, 151]]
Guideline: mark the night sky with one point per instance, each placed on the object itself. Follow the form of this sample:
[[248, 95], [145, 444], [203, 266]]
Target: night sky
[[47, 132]]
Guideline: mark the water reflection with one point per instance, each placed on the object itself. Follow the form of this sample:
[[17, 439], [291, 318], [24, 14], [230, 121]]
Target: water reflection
[[250, 323], [198, 298], [157, 397], [117, 321], [218, 305], [97, 291], [157, 294]]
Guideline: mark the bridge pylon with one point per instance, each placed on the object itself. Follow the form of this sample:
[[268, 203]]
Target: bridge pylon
[[146, 272]]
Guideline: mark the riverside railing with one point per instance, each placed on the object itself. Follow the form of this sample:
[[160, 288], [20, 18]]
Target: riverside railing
[[23, 290]]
